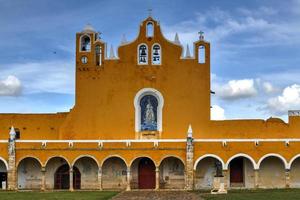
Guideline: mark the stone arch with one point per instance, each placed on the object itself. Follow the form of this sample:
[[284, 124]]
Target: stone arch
[[4, 162], [292, 160], [241, 170], [294, 166], [169, 156], [209, 155], [117, 156], [272, 168], [244, 156], [85, 156], [51, 166], [139, 95], [171, 173], [88, 169], [142, 156], [206, 168], [143, 169], [29, 173], [29, 156], [286, 165], [114, 173]]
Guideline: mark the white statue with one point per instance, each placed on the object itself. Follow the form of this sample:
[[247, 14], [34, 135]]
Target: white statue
[[149, 115]]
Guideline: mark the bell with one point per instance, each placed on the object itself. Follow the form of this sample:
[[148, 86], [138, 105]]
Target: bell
[[155, 52], [143, 53]]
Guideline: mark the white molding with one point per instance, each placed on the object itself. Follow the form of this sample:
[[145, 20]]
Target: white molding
[[170, 156], [139, 95], [85, 156], [157, 140], [243, 155], [3, 141], [113, 156], [138, 54], [286, 165], [29, 156], [5, 163], [58, 156], [209, 156], [292, 160]]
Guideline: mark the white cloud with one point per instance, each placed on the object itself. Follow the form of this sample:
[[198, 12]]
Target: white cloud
[[268, 88], [217, 113], [11, 86], [47, 76], [236, 89], [288, 100]]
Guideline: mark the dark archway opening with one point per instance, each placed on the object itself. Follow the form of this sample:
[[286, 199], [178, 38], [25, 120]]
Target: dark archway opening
[[146, 174], [237, 171], [62, 178]]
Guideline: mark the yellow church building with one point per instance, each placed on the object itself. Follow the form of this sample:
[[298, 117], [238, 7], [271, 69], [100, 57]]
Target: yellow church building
[[141, 120]]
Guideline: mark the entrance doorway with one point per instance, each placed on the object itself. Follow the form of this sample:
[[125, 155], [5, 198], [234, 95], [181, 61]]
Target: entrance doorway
[[237, 172], [62, 178], [3, 178], [146, 174]]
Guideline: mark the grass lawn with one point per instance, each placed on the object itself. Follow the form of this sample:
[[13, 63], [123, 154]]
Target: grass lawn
[[276, 194], [82, 195]]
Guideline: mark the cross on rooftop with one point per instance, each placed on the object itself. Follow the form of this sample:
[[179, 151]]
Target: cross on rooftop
[[150, 12], [201, 35]]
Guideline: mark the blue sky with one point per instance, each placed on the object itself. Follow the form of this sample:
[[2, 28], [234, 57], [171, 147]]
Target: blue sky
[[255, 55]]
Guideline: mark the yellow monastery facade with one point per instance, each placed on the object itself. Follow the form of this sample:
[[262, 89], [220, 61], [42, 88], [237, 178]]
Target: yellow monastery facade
[[141, 120]]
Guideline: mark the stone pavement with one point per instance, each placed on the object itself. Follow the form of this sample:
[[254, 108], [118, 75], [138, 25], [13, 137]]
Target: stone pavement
[[156, 195]]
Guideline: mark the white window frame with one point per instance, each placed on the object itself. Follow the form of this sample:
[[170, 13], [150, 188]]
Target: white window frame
[[138, 54], [139, 95], [160, 56]]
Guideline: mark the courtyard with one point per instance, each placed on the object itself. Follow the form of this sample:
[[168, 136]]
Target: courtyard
[[274, 194]]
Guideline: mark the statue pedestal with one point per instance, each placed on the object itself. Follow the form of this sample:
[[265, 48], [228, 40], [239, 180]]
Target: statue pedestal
[[218, 186]]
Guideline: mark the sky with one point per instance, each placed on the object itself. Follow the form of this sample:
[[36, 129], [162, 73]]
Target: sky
[[255, 49]]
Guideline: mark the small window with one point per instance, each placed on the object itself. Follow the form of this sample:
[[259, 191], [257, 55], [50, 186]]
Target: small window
[[143, 54], [156, 54], [18, 133], [150, 30], [98, 51], [85, 43], [201, 54], [84, 59]]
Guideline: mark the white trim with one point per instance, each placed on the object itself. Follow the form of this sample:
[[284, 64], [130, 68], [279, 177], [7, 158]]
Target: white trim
[[142, 156], [5, 163], [85, 156], [286, 165], [59, 156], [3, 141], [171, 156], [80, 47], [113, 156], [139, 95], [209, 156], [156, 140], [138, 54], [292, 160], [160, 55], [29, 156], [255, 166]]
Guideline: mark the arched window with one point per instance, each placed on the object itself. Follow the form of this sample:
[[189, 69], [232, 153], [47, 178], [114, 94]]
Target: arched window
[[143, 54], [201, 54], [98, 51], [156, 54], [85, 43], [148, 104], [150, 30]]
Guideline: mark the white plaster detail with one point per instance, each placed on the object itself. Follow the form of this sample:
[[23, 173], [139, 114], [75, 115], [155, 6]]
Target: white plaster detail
[[71, 144], [59, 156], [224, 143], [155, 144], [286, 165], [85, 156], [292, 160], [44, 144], [139, 95], [113, 156], [190, 132], [255, 166], [209, 156], [171, 156]]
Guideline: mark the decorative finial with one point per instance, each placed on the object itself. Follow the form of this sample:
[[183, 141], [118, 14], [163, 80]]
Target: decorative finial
[[190, 132], [12, 133], [176, 39], [99, 35], [123, 40], [187, 53], [150, 12], [111, 52], [88, 28], [201, 35]]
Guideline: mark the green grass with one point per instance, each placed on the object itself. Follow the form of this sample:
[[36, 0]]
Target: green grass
[[276, 194], [78, 195]]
